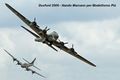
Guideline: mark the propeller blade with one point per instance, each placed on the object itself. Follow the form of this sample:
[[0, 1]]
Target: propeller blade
[[72, 46], [34, 19], [45, 28], [48, 29]]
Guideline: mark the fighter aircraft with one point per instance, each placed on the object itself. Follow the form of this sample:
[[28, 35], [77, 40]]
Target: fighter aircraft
[[49, 39], [25, 65]]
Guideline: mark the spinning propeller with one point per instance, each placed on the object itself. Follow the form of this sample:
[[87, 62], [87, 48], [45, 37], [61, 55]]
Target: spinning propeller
[[34, 19], [34, 22], [72, 49], [45, 30]]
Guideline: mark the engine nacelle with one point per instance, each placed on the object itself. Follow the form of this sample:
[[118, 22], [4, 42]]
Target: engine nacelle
[[53, 36], [40, 39], [27, 69], [33, 23], [33, 72]]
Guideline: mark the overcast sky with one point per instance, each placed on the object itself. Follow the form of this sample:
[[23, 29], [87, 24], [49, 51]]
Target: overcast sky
[[93, 31]]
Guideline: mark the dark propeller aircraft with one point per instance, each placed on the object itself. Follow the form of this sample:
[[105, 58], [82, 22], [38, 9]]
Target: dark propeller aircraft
[[51, 39]]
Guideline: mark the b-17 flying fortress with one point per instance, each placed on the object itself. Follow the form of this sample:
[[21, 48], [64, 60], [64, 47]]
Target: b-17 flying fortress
[[41, 35], [25, 65]]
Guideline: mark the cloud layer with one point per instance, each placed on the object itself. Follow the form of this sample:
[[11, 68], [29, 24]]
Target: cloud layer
[[97, 41]]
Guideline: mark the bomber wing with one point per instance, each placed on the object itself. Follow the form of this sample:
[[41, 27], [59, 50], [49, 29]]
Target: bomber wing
[[14, 59], [34, 72], [24, 19], [72, 52]]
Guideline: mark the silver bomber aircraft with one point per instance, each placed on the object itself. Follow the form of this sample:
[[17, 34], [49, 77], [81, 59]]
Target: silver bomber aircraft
[[25, 65], [49, 39]]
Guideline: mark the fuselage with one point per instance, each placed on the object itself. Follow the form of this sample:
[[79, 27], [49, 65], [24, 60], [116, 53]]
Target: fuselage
[[25, 65], [53, 36]]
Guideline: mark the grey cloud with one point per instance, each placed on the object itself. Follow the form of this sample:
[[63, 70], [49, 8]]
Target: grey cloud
[[103, 52]]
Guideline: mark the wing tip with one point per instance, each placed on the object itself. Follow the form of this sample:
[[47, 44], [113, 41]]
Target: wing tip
[[5, 50], [94, 65], [91, 64], [7, 4]]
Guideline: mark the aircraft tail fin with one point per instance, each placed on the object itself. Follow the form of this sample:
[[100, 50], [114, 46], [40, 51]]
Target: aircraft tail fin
[[33, 61]]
